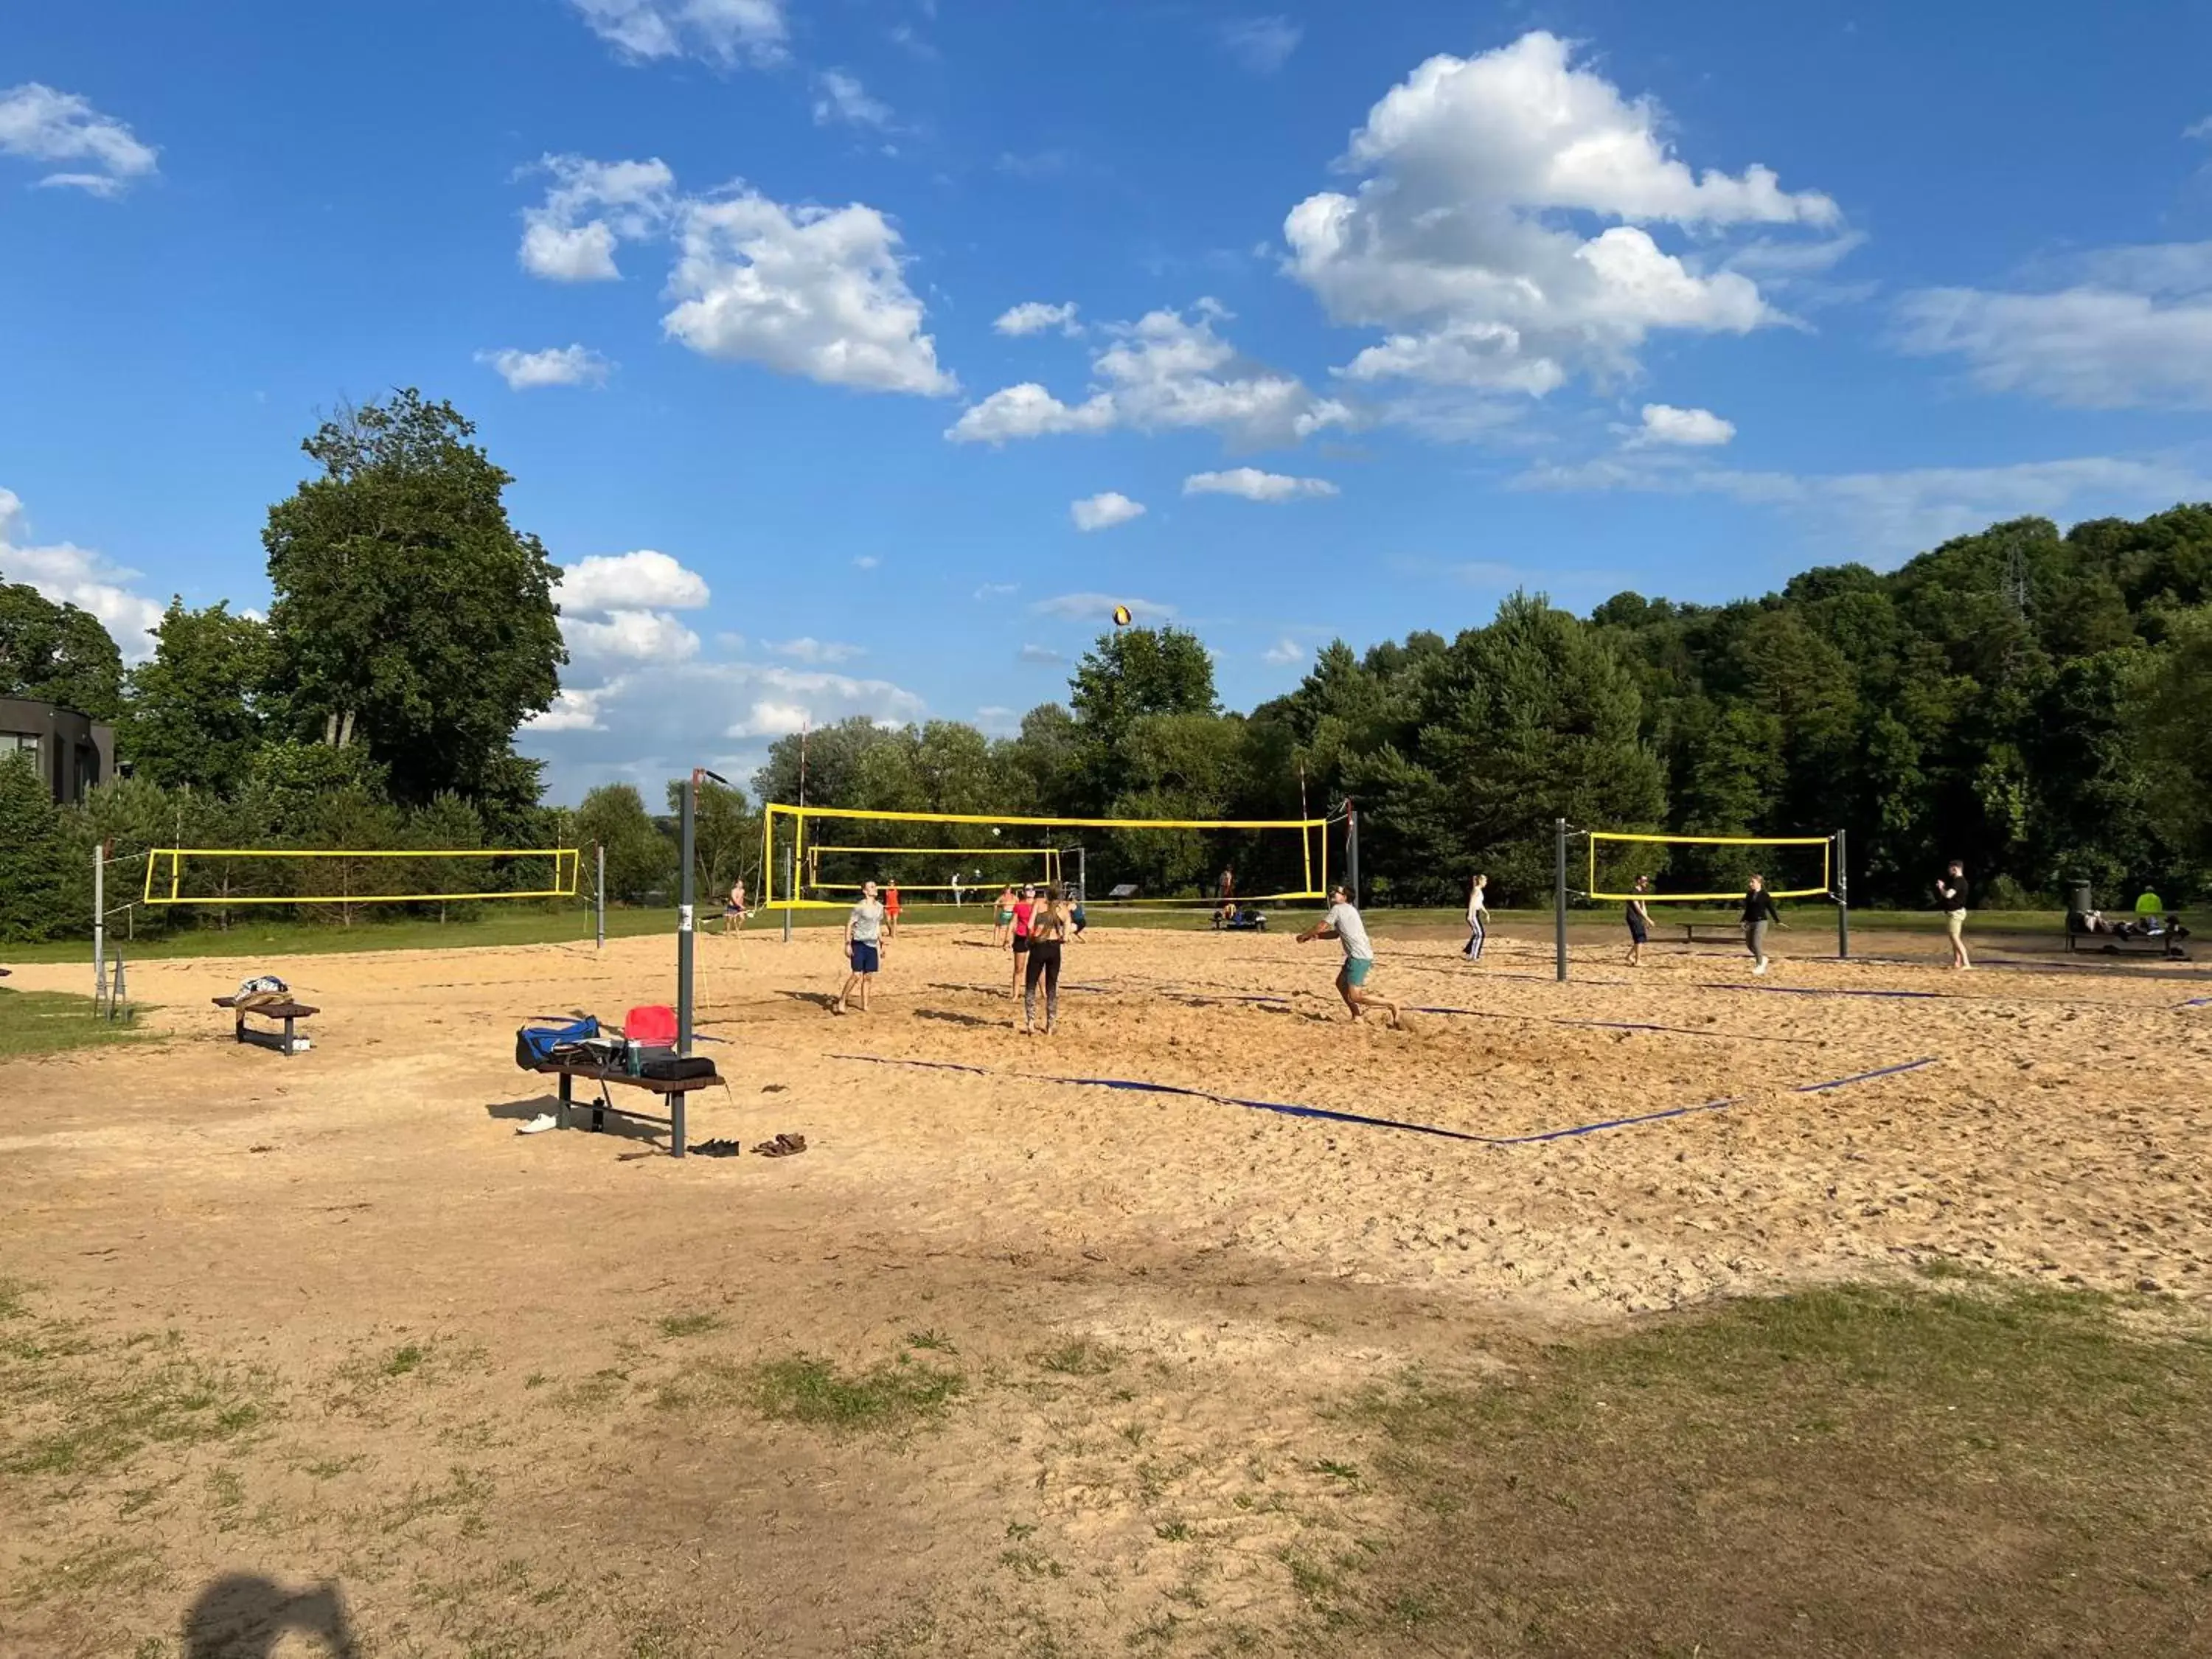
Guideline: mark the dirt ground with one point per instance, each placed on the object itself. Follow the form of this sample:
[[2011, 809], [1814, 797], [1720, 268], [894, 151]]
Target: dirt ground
[[317, 1341]]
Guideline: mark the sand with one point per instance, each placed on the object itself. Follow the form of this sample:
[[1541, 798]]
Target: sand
[[298, 1214]]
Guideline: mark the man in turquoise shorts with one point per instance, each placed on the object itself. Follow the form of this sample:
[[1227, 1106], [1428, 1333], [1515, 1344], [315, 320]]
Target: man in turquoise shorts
[[1342, 922]]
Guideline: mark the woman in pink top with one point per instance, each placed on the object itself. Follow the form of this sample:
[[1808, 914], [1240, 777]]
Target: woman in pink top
[[1024, 908]]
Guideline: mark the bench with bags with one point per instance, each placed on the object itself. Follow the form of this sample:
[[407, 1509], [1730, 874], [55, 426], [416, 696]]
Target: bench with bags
[[267, 996], [643, 1056]]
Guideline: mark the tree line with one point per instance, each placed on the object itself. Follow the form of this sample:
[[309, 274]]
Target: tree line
[[2028, 701]]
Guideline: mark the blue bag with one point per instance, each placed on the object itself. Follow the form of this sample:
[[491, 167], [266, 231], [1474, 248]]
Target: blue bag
[[534, 1045]]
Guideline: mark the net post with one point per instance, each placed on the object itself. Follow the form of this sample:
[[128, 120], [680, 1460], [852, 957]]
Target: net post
[[99, 925], [599, 892], [1351, 850], [1843, 890], [1559, 895], [790, 888], [683, 901]]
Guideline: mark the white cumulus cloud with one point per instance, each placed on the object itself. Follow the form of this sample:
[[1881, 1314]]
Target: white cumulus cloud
[[571, 711], [40, 124], [807, 290], [1035, 316], [839, 96], [1163, 372], [1461, 240], [70, 575], [639, 636], [589, 209], [2132, 329], [526, 371], [644, 580], [1663, 424], [1285, 651], [720, 32], [1254, 485], [1103, 511]]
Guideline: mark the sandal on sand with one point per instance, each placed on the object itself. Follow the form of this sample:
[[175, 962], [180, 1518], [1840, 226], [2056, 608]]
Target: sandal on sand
[[782, 1146]]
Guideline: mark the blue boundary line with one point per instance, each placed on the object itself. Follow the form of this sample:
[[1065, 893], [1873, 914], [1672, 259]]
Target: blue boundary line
[[1288, 1109]]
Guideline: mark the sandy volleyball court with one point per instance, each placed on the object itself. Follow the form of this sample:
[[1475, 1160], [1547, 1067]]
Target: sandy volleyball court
[[563, 1458]]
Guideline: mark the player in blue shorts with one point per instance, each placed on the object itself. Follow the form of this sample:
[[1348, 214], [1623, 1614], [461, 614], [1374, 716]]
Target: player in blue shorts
[[1342, 922], [864, 947]]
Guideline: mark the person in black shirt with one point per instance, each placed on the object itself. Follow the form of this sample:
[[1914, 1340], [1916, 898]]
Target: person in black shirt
[[1951, 900], [1758, 912]]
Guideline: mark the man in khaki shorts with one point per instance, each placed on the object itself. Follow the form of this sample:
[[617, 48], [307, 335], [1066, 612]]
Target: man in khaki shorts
[[1951, 899]]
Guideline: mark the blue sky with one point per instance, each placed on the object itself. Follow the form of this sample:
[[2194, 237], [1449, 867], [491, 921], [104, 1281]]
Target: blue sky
[[816, 331]]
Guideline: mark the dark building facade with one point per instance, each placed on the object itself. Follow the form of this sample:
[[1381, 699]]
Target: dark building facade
[[73, 752]]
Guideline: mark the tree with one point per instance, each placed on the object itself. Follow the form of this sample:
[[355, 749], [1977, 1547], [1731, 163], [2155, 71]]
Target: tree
[[32, 875], [1135, 671], [2167, 712], [641, 859], [410, 616], [57, 654], [193, 714]]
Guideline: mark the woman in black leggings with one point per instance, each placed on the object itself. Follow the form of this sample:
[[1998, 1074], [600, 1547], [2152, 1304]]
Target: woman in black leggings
[[1047, 933]]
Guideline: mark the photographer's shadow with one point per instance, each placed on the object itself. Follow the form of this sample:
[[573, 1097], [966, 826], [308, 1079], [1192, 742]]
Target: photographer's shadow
[[243, 1616]]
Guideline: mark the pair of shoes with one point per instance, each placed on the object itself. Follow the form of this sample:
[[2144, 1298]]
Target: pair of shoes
[[1759, 967]]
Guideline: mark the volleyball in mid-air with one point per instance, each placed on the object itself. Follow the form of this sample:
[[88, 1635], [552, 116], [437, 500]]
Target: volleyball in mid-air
[[1120, 616]]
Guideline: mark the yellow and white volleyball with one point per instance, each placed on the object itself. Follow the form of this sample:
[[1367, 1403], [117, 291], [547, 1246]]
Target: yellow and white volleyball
[[1120, 616]]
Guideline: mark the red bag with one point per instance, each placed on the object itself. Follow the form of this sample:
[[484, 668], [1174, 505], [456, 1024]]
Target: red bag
[[653, 1024]]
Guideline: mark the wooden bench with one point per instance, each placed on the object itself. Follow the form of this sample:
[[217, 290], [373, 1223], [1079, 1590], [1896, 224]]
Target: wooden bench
[[286, 1011], [672, 1089], [1730, 930]]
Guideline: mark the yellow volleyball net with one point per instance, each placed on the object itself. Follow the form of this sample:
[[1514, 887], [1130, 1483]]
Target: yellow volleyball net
[[812, 858], [319, 875], [1696, 870]]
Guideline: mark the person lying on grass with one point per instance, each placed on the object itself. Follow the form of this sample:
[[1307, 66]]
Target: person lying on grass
[[1342, 922]]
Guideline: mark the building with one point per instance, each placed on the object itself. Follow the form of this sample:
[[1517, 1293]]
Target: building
[[73, 752]]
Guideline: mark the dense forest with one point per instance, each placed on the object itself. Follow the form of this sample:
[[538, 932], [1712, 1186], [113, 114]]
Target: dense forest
[[2030, 701]]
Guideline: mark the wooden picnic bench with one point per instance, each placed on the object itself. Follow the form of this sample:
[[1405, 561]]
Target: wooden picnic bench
[[672, 1089], [285, 1010]]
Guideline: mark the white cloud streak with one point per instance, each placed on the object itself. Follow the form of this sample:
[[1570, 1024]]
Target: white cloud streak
[[40, 124], [1035, 317], [1104, 510], [1254, 485], [527, 371], [723, 33], [1262, 44], [1694, 429], [2133, 329], [807, 649], [839, 97], [1163, 372]]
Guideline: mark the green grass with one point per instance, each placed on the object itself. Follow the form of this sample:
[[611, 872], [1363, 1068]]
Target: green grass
[[53, 1023], [897, 1393], [1078, 1357], [1973, 1469]]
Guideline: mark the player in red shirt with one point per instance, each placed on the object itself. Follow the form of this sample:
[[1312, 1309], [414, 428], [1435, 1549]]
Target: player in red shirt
[[891, 909], [1025, 910]]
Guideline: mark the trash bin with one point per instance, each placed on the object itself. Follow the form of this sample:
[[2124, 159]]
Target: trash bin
[[2083, 901]]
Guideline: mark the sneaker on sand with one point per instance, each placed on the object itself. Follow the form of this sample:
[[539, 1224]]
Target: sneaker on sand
[[1759, 967], [537, 1126]]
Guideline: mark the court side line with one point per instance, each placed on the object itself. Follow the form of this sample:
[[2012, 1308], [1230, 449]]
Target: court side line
[[1288, 1109]]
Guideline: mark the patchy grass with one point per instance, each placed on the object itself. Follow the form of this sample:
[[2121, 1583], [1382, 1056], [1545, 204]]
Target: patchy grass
[[1971, 1470], [1082, 1357], [54, 1022], [689, 1324], [899, 1393], [81, 1404]]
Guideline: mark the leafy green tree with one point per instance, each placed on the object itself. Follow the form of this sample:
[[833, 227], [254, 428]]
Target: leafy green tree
[[641, 858], [1135, 671], [193, 714], [410, 616], [2166, 714], [57, 654], [33, 873]]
